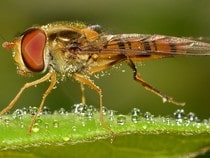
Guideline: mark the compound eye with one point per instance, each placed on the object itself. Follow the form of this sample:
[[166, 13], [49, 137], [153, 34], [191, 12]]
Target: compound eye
[[32, 49]]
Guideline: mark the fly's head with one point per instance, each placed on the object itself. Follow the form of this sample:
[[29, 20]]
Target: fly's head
[[29, 51], [57, 45]]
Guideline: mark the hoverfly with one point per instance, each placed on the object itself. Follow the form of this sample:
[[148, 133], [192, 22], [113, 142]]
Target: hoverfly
[[61, 50]]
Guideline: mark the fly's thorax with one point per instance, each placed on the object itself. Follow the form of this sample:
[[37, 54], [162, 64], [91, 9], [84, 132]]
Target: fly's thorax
[[68, 62], [68, 47]]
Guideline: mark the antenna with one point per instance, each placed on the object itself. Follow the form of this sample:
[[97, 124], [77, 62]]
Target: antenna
[[8, 45]]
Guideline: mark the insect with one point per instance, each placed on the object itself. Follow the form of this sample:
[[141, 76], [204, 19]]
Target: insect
[[64, 49]]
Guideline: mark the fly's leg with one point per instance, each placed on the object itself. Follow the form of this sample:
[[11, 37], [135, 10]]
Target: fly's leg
[[27, 85], [49, 75], [52, 78], [83, 93], [83, 80], [150, 88]]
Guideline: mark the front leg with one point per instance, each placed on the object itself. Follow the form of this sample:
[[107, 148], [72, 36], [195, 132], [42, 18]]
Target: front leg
[[27, 85]]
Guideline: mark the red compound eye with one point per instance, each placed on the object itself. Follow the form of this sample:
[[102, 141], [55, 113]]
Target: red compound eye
[[32, 49]]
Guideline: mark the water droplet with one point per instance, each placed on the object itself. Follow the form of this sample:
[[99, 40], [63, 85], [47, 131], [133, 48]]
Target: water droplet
[[83, 124], [39, 121], [192, 117], [32, 110], [25, 111], [74, 128], [55, 124], [135, 115], [6, 121], [135, 119], [92, 108], [79, 109], [135, 112], [198, 125], [205, 122], [121, 119], [17, 114], [46, 125], [104, 110], [66, 139], [35, 128], [148, 115], [45, 111], [144, 127], [90, 112], [111, 114], [179, 114], [21, 125], [166, 120], [54, 87], [62, 111]]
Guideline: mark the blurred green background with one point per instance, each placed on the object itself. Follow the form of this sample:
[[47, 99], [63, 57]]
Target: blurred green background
[[185, 78]]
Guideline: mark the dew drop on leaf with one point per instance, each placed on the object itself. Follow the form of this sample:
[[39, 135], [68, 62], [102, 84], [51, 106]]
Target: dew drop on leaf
[[35, 128], [32, 110], [192, 117], [148, 115], [79, 109], [62, 111], [55, 124], [17, 114], [6, 121], [179, 115], [66, 138], [135, 115], [83, 123], [21, 125], [46, 111], [74, 128], [46, 125], [121, 119]]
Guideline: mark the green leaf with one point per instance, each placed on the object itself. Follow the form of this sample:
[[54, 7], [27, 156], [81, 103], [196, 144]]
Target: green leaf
[[79, 134]]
